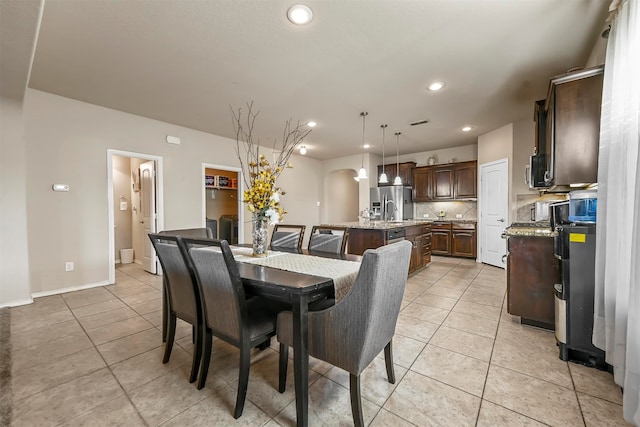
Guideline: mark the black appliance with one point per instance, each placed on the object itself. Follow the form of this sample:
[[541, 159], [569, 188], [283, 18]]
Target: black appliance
[[534, 173], [576, 248]]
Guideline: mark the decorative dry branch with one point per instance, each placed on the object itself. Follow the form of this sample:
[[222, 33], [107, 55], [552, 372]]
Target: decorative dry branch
[[259, 175]]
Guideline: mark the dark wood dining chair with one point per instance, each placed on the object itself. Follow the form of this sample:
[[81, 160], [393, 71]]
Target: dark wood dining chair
[[357, 328], [182, 297], [287, 237], [227, 314], [328, 239], [204, 233]]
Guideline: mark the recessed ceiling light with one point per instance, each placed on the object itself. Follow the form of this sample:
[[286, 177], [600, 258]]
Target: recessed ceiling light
[[435, 86], [303, 150], [299, 14], [365, 146], [311, 124], [467, 128]]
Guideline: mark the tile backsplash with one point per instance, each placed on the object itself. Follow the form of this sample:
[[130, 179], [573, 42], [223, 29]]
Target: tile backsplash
[[468, 210]]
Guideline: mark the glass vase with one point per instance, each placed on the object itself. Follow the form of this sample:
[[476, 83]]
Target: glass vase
[[259, 236]]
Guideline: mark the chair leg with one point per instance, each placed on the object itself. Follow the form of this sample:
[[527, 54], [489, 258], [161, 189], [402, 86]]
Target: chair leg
[[171, 333], [243, 381], [388, 360], [206, 358], [284, 360], [356, 401], [197, 354]]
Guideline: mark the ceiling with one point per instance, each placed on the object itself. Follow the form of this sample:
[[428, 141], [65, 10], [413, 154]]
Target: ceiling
[[187, 62]]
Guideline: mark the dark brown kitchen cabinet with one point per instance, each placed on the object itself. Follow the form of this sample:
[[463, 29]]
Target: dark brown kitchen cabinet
[[465, 182], [404, 170], [463, 240], [441, 238], [456, 239], [443, 182], [532, 270], [423, 184], [572, 128], [420, 238], [446, 182]]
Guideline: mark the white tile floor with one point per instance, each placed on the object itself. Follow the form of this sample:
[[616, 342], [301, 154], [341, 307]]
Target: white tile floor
[[93, 357]]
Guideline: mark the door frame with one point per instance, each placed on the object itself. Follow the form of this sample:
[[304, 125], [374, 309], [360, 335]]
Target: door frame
[[111, 201], [240, 192], [481, 198]]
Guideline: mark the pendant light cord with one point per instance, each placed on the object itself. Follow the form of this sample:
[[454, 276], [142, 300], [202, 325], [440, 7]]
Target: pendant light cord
[[397, 151], [364, 118]]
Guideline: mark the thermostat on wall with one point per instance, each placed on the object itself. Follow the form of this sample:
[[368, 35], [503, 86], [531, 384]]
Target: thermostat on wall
[[60, 187]]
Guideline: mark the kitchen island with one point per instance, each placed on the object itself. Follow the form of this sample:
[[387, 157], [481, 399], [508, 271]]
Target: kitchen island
[[373, 234]]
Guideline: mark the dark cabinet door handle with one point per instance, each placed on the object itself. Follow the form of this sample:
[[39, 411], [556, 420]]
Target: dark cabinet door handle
[[503, 258]]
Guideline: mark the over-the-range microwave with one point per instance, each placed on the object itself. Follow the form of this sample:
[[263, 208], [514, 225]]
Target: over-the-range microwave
[[534, 173]]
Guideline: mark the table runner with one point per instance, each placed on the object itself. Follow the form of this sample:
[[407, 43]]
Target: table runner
[[342, 272]]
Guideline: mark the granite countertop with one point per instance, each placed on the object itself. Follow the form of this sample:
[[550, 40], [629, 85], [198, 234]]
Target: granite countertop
[[388, 225], [529, 229]]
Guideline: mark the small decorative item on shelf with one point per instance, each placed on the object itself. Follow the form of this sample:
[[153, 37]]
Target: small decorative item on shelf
[[431, 161], [262, 196], [210, 181]]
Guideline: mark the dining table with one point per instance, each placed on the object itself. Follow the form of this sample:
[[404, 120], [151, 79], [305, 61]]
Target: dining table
[[271, 278], [297, 277]]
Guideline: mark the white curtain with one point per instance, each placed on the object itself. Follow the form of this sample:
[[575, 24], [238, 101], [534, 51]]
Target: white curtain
[[617, 299]]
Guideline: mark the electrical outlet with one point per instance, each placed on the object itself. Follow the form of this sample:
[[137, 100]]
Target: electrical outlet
[[425, 215], [458, 216], [68, 266]]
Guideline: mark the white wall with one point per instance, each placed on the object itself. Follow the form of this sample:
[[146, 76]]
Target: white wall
[[67, 142], [14, 265], [496, 145], [524, 134], [344, 197]]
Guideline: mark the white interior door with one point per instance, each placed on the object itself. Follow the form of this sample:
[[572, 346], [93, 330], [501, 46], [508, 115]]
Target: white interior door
[[148, 204], [494, 209]]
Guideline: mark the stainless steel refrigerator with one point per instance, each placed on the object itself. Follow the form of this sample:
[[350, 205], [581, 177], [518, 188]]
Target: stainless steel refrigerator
[[393, 203]]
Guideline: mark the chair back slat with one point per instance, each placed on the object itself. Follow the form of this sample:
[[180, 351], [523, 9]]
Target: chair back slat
[[178, 278], [220, 286], [286, 236], [328, 239]]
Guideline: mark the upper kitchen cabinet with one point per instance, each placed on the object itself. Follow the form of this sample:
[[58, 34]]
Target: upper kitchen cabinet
[[404, 170], [465, 183], [572, 128], [445, 182], [423, 184]]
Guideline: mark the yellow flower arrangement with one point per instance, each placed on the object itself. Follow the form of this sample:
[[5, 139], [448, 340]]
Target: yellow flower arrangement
[[262, 195]]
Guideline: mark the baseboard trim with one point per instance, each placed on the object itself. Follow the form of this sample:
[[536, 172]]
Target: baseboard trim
[[17, 303], [69, 289]]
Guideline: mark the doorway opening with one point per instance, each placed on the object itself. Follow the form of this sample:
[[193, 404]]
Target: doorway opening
[[222, 202], [134, 192]]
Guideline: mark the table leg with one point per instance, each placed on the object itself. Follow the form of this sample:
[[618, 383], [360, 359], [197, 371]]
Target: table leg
[[301, 359]]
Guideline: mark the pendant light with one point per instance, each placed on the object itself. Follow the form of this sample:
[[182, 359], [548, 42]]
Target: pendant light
[[397, 180], [362, 173], [383, 176]]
